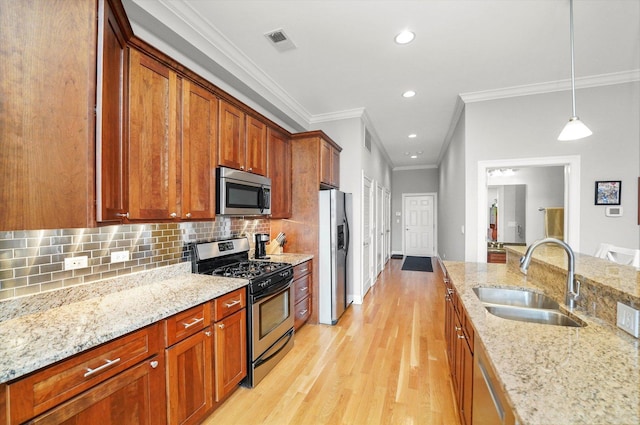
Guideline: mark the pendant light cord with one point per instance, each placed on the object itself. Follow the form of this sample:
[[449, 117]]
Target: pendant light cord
[[573, 76]]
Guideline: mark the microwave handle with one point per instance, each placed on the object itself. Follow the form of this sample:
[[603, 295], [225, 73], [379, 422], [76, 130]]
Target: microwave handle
[[261, 199]]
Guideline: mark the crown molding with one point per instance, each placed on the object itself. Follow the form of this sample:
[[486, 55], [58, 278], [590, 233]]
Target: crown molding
[[338, 115], [552, 86]]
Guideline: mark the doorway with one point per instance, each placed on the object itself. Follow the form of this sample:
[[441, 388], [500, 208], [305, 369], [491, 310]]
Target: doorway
[[571, 205], [419, 235]]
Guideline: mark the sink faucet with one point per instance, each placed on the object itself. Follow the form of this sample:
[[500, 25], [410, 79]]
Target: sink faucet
[[573, 285]]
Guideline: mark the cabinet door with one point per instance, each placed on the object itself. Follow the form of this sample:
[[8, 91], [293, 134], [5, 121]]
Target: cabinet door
[[112, 196], [335, 167], [231, 143], [256, 149], [279, 171], [325, 162], [47, 126], [189, 379], [134, 397], [153, 118], [230, 353], [467, 384], [199, 144]]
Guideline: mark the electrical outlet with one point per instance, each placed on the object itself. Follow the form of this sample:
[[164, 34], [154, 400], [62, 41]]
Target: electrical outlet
[[119, 256], [628, 319], [73, 263]]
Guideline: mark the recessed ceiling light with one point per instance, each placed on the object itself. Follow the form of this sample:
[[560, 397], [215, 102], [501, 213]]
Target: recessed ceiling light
[[413, 136], [409, 93], [405, 37], [414, 156]]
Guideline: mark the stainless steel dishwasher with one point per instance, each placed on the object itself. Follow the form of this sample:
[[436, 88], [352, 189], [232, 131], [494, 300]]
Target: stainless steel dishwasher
[[490, 406]]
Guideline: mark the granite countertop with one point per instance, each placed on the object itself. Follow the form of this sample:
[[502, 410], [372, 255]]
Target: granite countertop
[[553, 374], [287, 257], [42, 329]]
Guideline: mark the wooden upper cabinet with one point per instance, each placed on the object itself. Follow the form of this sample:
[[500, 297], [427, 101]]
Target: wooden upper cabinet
[[279, 171], [329, 164], [199, 142], [231, 141], [256, 147], [153, 138], [47, 127], [111, 181]]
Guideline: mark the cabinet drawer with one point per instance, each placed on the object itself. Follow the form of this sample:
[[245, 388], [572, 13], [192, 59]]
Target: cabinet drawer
[[229, 303], [302, 312], [53, 385], [188, 322], [302, 287], [301, 269]]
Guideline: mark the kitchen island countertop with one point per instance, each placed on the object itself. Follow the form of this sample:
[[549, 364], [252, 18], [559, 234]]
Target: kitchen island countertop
[[553, 374]]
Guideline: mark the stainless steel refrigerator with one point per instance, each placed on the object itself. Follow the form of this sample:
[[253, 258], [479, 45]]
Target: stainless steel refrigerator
[[335, 289]]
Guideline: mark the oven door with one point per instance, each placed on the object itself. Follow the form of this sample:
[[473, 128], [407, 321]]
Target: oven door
[[271, 317]]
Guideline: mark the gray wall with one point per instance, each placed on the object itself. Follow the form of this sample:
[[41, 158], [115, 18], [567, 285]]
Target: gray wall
[[408, 181], [527, 127], [452, 197]]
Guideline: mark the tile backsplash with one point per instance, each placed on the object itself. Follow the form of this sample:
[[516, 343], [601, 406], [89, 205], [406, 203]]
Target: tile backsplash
[[32, 261]]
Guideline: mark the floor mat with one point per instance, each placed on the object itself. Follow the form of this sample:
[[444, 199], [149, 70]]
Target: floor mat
[[417, 264]]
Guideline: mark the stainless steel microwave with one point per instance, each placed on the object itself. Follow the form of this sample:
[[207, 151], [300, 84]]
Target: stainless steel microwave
[[242, 193]]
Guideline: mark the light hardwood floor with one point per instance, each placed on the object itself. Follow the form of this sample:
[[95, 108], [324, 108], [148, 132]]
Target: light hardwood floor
[[383, 363]]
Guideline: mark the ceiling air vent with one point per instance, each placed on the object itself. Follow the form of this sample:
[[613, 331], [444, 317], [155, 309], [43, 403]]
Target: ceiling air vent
[[280, 40]]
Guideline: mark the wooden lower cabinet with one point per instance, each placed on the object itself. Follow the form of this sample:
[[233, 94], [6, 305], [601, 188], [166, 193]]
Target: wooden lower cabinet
[[459, 338], [230, 353], [302, 290], [190, 378], [134, 397]]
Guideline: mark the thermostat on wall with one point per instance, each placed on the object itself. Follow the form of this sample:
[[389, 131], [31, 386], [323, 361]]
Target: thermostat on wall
[[613, 211]]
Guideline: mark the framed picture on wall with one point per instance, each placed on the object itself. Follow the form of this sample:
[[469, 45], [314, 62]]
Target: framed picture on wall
[[608, 192]]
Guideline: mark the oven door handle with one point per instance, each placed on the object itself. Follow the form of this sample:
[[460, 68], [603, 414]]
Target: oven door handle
[[261, 360], [272, 290]]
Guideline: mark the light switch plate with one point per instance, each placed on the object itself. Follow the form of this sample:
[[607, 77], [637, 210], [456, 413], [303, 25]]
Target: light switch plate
[[628, 319]]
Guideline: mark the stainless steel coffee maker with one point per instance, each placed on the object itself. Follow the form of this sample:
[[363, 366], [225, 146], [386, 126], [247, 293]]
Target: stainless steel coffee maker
[[261, 245]]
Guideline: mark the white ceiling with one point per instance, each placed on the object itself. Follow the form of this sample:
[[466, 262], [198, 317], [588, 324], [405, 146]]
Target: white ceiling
[[346, 61]]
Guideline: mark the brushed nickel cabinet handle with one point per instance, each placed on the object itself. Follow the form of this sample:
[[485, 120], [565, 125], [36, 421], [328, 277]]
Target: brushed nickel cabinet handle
[[108, 363], [188, 215], [231, 304], [193, 322], [221, 325], [154, 364], [123, 215], [173, 215]]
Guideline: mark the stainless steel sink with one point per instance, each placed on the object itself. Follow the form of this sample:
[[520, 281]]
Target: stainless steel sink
[[515, 297], [524, 306], [533, 315]]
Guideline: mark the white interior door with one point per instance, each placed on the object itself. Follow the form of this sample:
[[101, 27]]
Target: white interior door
[[419, 225], [387, 225], [379, 228], [367, 269]]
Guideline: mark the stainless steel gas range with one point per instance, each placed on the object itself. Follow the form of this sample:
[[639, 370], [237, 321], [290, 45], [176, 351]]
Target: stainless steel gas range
[[270, 298]]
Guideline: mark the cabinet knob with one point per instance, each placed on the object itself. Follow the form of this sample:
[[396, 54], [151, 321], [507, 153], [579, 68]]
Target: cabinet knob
[[242, 167], [154, 364], [208, 333], [188, 215], [173, 215], [221, 325], [123, 215], [250, 168]]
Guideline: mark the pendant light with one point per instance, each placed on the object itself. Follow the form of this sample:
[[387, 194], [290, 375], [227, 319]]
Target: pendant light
[[574, 129]]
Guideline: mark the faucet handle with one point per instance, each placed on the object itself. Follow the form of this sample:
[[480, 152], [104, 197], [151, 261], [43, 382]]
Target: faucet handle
[[575, 294]]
